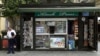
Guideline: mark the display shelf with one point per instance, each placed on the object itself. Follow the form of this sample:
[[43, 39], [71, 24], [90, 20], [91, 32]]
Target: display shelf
[[59, 34], [42, 34], [43, 48]]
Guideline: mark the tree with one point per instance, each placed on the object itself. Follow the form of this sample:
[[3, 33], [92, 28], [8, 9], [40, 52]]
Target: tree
[[10, 10]]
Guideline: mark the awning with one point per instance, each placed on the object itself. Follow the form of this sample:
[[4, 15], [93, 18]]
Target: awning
[[68, 9]]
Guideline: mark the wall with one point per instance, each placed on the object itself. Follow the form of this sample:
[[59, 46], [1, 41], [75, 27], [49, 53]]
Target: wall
[[2, 24], [0, 1]]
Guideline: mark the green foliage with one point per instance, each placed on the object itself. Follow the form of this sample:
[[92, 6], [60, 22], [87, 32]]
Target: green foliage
[[11, 7], [30, 1]]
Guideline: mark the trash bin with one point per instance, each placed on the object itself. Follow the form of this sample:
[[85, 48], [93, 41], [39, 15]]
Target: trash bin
[[0, 42]]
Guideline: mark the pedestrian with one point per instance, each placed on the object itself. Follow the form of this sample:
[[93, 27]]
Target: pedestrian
[[11, 35]]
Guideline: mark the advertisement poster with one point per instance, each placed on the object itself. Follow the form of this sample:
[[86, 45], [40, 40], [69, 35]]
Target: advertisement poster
[[57, 42]]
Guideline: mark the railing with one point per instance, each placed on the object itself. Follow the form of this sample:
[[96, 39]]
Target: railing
[[56, 3]]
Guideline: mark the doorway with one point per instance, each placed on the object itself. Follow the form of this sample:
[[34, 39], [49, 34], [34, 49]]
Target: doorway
[[73, 33]]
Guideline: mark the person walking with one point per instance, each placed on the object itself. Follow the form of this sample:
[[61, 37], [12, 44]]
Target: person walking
[[11, 35]]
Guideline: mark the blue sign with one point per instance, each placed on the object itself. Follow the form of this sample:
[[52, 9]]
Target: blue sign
[[85, 14]]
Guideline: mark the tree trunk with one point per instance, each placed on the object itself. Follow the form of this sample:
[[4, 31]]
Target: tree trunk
[[12, 22]]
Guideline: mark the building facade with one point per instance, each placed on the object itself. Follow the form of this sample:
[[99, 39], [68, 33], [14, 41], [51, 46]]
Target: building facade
[[2, 19]]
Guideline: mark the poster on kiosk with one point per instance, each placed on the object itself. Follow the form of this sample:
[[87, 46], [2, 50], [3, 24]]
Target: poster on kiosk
[[57, 42]]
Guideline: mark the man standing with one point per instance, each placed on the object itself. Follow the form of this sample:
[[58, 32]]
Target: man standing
[[11, 35]]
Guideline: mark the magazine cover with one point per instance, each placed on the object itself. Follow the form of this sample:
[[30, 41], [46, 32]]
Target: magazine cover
[[57, 42]]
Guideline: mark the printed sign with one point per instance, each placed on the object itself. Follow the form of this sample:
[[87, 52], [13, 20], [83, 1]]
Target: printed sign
[[57, 42]]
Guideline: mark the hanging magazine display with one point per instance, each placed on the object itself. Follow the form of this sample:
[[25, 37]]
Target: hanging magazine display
[[28, 34], [91, 32]]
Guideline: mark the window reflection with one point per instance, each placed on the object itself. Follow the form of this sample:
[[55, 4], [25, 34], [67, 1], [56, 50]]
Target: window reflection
[[51, 26], [42, 1], [55, 2], [82, 1]]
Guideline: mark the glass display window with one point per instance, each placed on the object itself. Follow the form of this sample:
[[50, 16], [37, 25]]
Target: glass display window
[[51, 33], [57, 42], [51, 26], [42, 42], [41, 27]]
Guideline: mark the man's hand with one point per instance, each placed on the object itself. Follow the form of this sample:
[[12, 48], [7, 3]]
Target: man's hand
[[13, 36]]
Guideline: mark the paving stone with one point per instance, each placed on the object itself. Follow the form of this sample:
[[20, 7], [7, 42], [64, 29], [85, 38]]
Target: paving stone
[[53, 53]]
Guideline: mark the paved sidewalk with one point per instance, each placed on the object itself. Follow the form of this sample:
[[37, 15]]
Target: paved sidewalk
[[53, 53]]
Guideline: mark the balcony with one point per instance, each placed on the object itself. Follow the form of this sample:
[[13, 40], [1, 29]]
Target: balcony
[[98, 3], [56, 3]]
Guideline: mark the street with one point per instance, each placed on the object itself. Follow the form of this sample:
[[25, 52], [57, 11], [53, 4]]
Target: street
[[53, 53]]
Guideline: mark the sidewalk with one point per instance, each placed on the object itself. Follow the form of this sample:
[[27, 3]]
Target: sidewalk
[[53, 53]]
